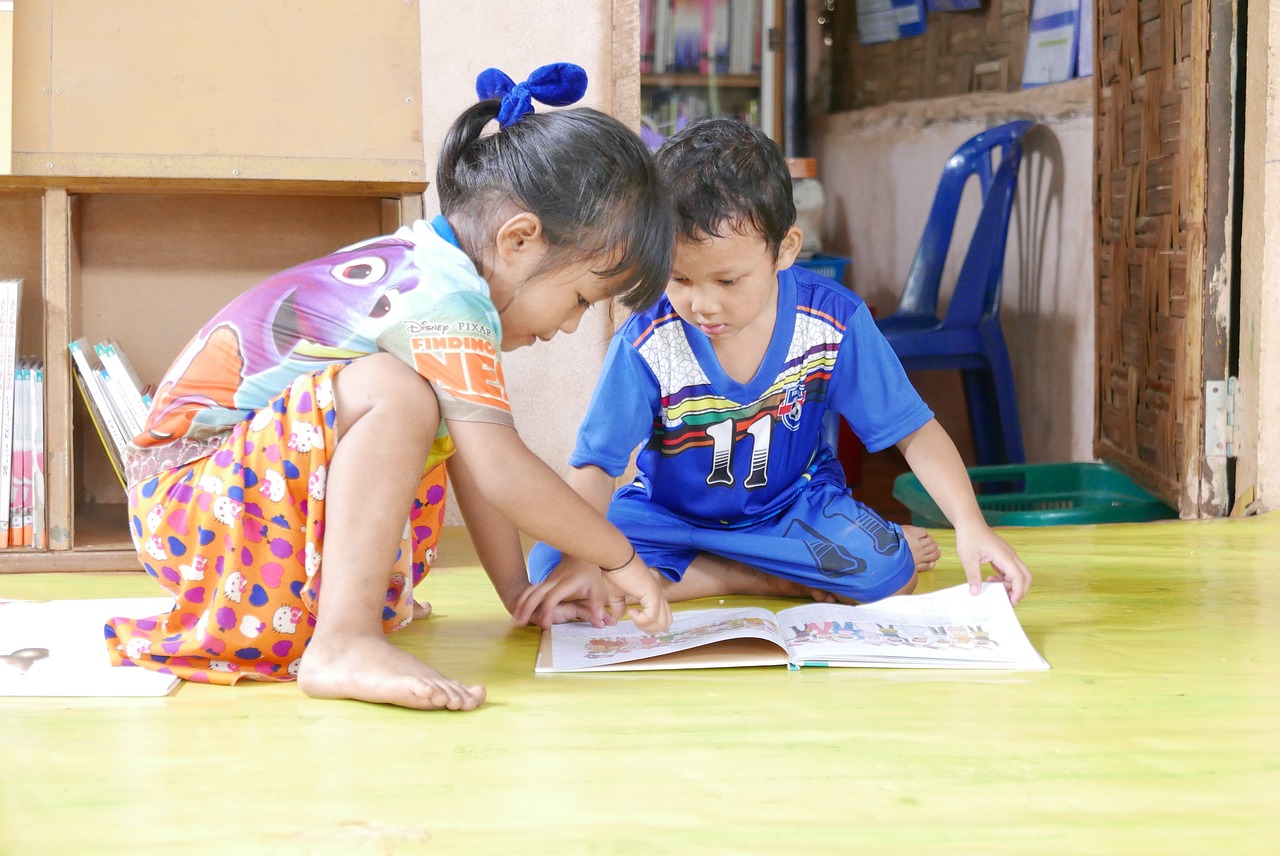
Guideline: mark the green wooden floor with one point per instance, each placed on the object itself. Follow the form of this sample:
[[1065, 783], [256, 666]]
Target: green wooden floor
[[1156, 732]]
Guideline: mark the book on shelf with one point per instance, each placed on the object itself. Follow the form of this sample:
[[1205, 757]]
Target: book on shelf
[[706, 61], [20, 480], [946, 629], [39, 528], [700, 36], [123, 385], [27, 488], [744, 28], [118, 355], [646, 36], [662, 36], [718, 39], [56, 648], [687, 32], [10, 325], [94, 394]]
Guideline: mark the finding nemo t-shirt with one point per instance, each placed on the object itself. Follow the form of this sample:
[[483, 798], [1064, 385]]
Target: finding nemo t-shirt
[[413, 294]]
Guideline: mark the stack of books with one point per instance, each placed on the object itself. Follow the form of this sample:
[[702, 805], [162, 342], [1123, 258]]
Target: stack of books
[[22, 486], [115, 397], [700, 36]]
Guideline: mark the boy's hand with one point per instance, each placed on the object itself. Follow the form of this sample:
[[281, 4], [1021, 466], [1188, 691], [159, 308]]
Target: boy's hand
[[573, 591], [977, 545]]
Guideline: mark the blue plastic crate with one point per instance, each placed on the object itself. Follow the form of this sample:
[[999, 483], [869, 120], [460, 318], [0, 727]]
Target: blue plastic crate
[[832, 267]]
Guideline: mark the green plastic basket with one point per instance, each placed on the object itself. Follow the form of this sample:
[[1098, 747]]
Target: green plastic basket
[[1041, 495]]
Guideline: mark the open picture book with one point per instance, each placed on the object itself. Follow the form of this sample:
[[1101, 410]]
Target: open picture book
[[57, 648], [947, 629]]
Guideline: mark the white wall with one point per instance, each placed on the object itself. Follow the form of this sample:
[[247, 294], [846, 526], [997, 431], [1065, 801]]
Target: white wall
[[551, 383], [880, 168]]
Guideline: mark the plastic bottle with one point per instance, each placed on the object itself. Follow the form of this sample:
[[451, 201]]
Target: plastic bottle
[[806, 192]]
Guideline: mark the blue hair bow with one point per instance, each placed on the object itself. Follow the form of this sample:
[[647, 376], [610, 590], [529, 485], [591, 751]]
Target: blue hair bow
[[557, 84]]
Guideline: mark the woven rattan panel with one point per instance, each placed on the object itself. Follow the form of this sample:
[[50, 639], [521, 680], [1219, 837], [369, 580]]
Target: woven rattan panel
[[1150, 133], [959, 52]]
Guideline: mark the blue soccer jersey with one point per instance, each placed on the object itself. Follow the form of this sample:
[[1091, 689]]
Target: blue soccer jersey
[[720, 453]]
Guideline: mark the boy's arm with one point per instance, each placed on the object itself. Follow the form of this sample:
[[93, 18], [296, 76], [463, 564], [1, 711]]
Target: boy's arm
[[592, 484], [936, 462], [519, 487]]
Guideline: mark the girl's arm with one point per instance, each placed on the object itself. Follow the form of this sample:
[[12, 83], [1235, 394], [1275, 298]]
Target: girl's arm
[[496, 539], [501, 553], [518, 486], [575, 587], [936, 462]]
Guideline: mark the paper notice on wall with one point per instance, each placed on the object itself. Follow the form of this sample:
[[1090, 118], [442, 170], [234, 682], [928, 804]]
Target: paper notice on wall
[[888, 20], [1051, 42], [1084, 53]]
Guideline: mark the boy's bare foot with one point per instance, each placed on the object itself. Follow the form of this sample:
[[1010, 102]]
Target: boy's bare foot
[[714, 576], [924, 549], [368, 668]]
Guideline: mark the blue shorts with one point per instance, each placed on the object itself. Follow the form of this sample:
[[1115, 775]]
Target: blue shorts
[[826, 539]]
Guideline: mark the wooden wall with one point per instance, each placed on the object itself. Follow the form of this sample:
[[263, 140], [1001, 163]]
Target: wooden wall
[[959, 52], [229, 90]]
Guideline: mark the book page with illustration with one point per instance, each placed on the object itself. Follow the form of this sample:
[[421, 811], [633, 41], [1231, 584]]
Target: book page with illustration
[[944, 629], [947, 627], [706, 638]]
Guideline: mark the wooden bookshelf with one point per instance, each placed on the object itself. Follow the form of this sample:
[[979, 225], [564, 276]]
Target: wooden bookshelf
[[166, 157], [701, 81], [677, 92]]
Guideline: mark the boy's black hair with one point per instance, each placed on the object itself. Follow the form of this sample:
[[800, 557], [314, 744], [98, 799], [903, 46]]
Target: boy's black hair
[[727, 174], [584, 174]]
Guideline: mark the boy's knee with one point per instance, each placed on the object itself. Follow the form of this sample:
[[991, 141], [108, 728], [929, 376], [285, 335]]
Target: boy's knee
[[910, 586]]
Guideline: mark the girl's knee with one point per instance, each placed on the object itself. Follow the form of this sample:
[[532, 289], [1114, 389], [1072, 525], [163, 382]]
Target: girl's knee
[[383, 382]]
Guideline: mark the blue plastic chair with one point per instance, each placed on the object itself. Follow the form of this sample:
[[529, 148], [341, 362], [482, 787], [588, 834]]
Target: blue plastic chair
[[969, 337]]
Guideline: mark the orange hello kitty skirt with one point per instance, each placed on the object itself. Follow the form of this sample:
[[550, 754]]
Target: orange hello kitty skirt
[[237, 538]]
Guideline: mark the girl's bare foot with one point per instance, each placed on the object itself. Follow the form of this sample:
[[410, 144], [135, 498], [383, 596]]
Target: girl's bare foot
[[924, 549], [369, 668], [421, 610]]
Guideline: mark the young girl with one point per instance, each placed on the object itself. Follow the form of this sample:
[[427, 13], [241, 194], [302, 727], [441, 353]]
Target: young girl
[[289, 485]]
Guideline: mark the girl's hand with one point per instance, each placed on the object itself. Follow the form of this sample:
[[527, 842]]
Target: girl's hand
[[636, 582], [573, 591], [978, 544]]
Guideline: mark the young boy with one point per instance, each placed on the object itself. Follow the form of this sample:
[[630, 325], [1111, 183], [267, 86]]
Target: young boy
[[726, 382]]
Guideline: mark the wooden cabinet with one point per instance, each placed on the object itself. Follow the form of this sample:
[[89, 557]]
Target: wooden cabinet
[[167, 156], [710, 58]]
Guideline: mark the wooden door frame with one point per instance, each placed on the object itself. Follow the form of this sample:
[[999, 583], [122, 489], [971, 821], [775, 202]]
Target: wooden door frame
[[624, 46], [1164, 141], [1256, 438]]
